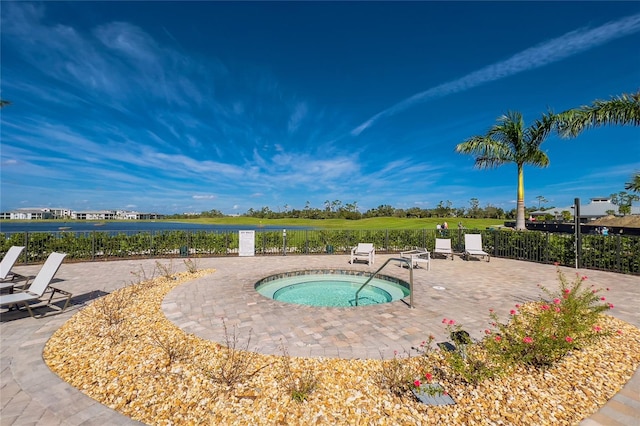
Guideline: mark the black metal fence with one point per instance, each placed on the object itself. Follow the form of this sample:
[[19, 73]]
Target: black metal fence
[[615, 253]]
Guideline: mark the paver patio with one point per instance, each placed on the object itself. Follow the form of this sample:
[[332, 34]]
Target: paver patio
[[31, 394]]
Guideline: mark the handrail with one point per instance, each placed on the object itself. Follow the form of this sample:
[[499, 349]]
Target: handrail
[[408, 262]]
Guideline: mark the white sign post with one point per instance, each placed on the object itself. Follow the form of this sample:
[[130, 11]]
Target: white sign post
[[247, 241]]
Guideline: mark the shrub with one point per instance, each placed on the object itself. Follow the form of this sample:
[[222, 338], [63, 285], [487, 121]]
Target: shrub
[[468, 363], [237, 364], [192, 265], [396, 374], [540, 333], [297, 384], [173, 345]]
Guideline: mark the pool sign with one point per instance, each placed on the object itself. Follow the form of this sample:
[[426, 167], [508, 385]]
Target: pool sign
[[247, 243]]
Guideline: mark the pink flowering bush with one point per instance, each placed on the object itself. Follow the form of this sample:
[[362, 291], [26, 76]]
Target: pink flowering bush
[[467, 362], [542, 332], [397, 374]]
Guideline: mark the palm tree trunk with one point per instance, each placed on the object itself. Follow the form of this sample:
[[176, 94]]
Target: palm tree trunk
[[520, 225]]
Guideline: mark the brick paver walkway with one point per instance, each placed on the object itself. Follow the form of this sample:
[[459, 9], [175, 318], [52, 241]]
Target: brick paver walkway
[[30, 394]]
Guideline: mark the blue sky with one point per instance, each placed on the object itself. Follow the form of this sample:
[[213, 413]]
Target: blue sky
[[174, 107]]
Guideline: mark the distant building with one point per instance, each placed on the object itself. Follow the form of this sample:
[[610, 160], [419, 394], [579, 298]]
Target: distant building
[[94, 215], [597, 208], [60, 213], [30, 214]]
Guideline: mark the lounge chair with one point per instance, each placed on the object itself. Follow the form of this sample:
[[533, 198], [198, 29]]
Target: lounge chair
[[7, 263], [417, 256], [473, 246], [364, 251], [41, 283], [443, 247]]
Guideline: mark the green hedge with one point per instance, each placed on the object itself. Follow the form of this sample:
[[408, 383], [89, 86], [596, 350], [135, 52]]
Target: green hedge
[[611, 253]]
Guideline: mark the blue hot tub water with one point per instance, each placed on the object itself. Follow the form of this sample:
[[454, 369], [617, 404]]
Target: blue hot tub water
[[334, 289]]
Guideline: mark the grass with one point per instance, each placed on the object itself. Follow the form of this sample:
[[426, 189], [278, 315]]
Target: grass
[[370, 223]]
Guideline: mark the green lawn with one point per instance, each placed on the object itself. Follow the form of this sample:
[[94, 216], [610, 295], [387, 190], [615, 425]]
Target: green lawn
[[371, 223]]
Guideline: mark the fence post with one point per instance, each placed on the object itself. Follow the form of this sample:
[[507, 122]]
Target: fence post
[[618, 253], [93, 245], [26, 245], [546, 248], [386, 240], [576, 217]]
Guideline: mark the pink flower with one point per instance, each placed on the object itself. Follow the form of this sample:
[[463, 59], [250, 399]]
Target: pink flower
[[395, 353], [619, 331], [603, 298], [584, 277], [593, 291], [487, 331], [567, 291], [597, 328], [517, 306], [527, 340], [557, 301], [568, 339], [557, 309], [512, 312], [417, 383], [544, 307], [498, 338], [491, 310], [428, 376], [451, 322], [444, 320], [610, 305]]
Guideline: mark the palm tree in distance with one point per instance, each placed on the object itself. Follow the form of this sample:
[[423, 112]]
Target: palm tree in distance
[[509, 141], [4, 103], [634, 185]]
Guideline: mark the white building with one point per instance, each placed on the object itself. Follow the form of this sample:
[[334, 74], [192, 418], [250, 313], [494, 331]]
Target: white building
[[597, 208], [30, 214]]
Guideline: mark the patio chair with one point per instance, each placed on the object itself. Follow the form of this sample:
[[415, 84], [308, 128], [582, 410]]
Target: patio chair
[[417, 256], [364, 251], [473, 246], [7, 263], [443, 247], [41, 283]]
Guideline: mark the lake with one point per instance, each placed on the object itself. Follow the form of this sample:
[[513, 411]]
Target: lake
[[7, 226]]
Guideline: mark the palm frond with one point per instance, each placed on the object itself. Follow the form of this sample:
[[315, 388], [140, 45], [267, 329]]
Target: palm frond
[[620, 110]]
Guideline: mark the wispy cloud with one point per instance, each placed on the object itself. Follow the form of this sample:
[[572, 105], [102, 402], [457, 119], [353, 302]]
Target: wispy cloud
[[538, 56]]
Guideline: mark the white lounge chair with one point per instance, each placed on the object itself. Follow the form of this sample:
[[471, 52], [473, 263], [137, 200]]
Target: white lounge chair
[[473, 246], [443, 247], [364, 251], [41, 283], [10, 259], [418, 256]]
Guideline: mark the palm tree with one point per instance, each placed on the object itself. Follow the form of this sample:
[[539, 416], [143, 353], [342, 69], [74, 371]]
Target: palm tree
[[541, 200], [619, 110], [634, 185], [4, 103], [509, 141]]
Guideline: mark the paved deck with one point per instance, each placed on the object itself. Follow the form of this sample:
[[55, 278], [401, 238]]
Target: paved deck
[[30, 394]]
